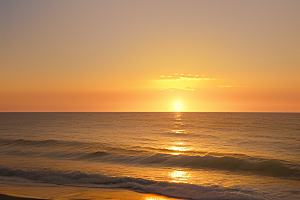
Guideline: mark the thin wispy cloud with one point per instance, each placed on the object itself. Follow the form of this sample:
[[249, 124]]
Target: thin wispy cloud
[[181, 81], [187, 81], [229, 86], [181, 76], [190, 88], [174, 89]]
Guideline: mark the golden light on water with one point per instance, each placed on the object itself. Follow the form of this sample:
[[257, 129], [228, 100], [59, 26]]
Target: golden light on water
[[177, 106], [179, 176], [157, 197], [179, 131], [178, 148]]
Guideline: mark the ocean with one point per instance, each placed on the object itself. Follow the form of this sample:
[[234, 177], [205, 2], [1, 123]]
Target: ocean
[[150, 155]]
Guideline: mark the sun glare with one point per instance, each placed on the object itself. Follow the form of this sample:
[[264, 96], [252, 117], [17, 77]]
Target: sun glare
[[177, 106]]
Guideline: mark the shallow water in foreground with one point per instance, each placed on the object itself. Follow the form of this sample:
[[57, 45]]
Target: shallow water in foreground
[[180, 155]]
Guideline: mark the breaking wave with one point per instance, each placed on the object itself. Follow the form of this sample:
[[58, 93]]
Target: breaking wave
[[76, 178]]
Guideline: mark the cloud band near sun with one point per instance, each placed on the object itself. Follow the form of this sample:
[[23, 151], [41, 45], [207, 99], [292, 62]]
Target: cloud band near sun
[[229, 86], [192, 77], [181, 81], [174, 89]]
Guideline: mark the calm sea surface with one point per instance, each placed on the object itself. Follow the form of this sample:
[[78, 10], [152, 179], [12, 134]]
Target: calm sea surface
[[181, 155]]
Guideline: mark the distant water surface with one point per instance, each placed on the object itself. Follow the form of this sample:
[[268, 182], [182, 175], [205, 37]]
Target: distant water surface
[[181, 155]]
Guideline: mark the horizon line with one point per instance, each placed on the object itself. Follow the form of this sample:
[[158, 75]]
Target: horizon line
[[146, 112]]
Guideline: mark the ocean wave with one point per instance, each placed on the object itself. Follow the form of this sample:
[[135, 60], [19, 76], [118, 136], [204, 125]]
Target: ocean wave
[[70, 144], [76, 178], [98, 152], [269, 167], [24, 142], [95, 154]]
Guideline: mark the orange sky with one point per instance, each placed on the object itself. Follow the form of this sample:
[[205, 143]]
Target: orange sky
[[68, 55]]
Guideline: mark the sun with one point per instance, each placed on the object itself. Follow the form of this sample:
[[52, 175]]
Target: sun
[[177, 106]]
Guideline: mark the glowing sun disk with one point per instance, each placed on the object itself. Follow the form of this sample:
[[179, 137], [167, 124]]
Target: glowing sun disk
[[177, 106]]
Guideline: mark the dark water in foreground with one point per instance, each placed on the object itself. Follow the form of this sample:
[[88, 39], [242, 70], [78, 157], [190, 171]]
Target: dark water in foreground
[[182, 155]]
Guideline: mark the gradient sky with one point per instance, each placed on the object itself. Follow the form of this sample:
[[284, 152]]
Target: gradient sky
[[69, 55]]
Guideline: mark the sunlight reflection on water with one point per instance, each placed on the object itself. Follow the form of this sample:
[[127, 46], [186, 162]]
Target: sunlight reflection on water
[[178, 146], [179, 176]]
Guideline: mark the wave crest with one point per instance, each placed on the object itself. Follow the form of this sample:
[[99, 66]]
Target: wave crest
[[267, 167], [76, 178]]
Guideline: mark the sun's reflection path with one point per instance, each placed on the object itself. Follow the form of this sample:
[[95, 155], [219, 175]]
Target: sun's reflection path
[[178, 116], [179, 131], [178, 124], [178, 146], [158, 197], [155, 198], [179, 176]]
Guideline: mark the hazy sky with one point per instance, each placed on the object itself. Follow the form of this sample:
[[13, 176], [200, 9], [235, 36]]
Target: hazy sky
[[69, 55]]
